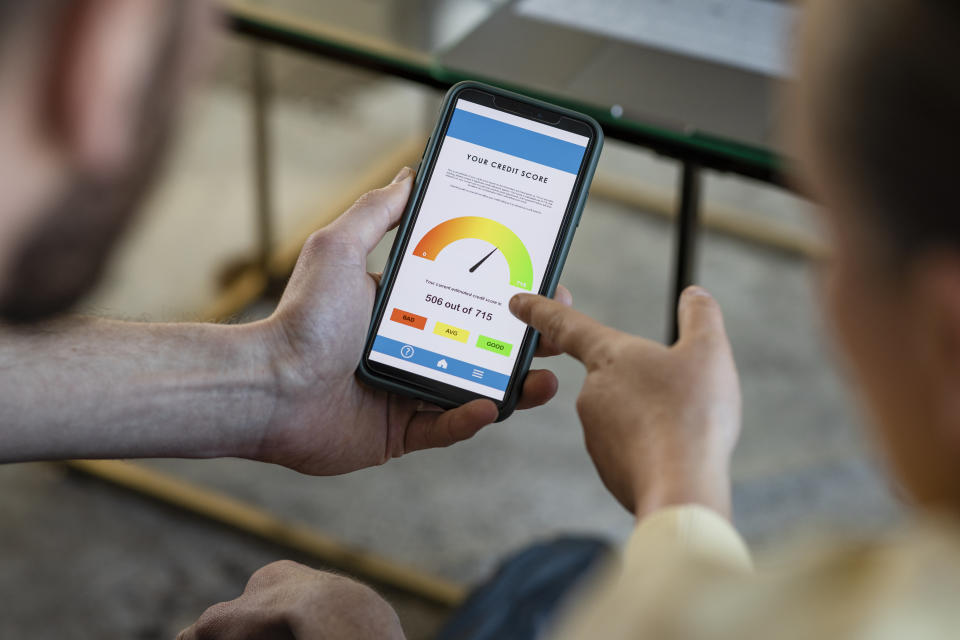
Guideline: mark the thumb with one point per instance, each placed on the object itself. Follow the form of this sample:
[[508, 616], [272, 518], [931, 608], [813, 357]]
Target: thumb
[[375, 212], [700, 318]]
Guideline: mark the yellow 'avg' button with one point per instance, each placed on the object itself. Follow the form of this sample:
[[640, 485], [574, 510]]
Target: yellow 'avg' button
[[454, 333]]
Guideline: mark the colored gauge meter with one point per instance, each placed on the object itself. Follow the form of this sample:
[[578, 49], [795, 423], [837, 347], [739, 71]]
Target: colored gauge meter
[[502, 238]]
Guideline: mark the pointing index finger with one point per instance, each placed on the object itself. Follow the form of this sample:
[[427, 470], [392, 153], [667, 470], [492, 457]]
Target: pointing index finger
[[569, 330]]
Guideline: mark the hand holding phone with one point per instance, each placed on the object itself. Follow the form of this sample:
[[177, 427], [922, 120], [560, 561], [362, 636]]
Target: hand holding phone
[[502, 185], [321, 419]]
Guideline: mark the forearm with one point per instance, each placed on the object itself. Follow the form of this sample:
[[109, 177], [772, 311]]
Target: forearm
[[92, 388]]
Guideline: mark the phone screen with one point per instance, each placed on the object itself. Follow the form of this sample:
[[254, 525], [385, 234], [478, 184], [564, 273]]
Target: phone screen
[[485, 230]]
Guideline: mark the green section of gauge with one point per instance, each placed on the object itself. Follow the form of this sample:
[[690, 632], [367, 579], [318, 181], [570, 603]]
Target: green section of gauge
[[497, 346]]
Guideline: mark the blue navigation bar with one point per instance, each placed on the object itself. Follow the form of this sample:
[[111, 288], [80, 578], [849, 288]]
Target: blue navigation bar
[[440, 362], [517, 141]]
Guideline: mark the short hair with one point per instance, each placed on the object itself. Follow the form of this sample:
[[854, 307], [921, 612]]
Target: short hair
[[889, 113]]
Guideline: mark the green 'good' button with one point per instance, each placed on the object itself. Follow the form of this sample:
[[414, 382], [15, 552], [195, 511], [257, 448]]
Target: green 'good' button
[[497, 346]]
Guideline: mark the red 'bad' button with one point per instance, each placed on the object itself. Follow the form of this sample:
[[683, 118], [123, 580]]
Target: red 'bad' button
[[409, 319]]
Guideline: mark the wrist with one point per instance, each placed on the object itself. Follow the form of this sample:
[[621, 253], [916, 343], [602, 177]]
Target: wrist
[[707, 487], [287, 380], [247, 379]]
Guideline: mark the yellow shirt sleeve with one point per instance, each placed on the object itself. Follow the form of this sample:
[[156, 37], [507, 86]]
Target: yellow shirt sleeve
[[686, 533], [677, 540], [686, 575]]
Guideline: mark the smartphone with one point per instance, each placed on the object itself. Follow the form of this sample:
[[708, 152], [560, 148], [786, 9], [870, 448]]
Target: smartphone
[[495, 203]]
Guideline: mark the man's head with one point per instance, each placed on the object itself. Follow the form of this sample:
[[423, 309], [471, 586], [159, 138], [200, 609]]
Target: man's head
[[88, 90], [876, 129]]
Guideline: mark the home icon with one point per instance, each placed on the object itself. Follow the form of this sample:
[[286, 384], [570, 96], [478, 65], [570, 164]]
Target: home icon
[[442, 364]]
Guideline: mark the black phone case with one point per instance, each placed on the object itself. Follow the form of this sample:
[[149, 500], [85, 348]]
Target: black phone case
[[551, 279]]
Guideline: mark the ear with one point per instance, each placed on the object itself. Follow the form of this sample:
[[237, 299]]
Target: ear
[[99, 74]]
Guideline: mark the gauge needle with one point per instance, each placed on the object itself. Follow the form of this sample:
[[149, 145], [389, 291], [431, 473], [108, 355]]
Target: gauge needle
[[482, 260]]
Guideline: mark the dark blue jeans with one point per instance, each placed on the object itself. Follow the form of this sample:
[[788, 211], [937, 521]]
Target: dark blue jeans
[[528, 588]]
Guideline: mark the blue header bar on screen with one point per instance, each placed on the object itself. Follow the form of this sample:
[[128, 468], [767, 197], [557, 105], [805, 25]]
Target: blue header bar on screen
[[517, 141]]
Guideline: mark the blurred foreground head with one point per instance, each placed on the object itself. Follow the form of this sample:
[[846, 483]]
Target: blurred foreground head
[[88, 90], [876, 128]]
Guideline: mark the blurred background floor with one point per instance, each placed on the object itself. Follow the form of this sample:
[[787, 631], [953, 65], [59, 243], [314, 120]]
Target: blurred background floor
[[83, 560]]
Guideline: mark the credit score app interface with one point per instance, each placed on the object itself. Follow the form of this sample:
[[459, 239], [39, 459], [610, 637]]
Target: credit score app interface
[[485, 231]]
